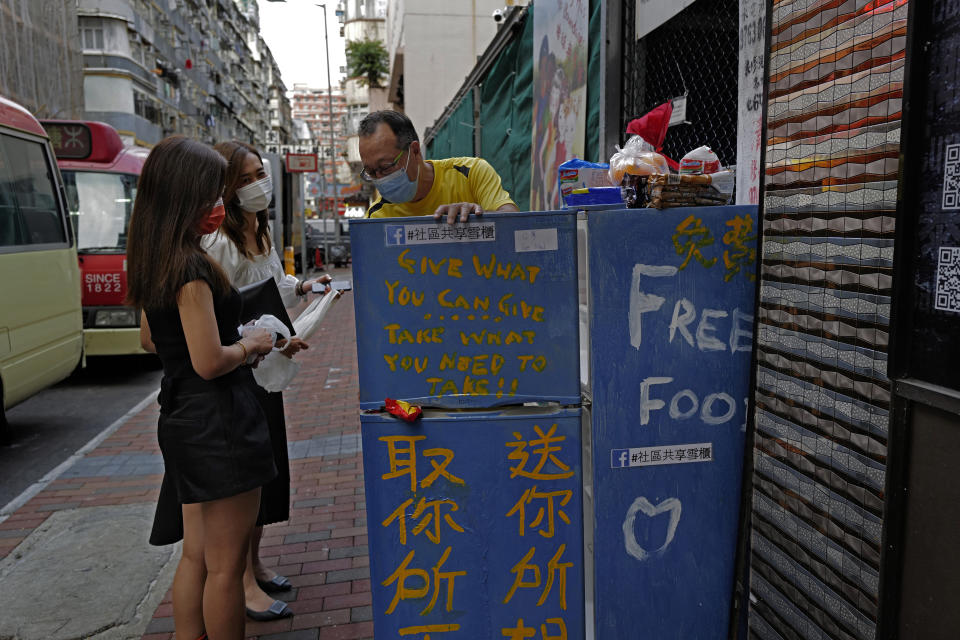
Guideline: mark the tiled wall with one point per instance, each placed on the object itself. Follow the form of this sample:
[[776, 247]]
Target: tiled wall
[[822, 393]]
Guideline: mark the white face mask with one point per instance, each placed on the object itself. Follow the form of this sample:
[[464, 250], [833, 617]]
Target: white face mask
[[256, 195]]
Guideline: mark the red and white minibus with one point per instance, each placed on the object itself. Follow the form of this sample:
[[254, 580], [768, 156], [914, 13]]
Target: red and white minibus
[[100, 177]]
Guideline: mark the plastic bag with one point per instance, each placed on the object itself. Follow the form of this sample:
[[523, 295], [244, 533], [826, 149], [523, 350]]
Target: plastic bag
[[637, 158], [276, 371], [699, 161], [309, 321]]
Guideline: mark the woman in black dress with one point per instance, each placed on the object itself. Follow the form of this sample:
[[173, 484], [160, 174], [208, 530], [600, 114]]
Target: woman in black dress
[[212, 432]]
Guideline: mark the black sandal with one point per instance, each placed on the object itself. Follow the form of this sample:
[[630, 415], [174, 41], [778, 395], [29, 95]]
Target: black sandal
[[276, 611], [275, 584]]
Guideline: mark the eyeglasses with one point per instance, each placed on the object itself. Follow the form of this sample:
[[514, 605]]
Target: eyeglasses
[[370, 176]]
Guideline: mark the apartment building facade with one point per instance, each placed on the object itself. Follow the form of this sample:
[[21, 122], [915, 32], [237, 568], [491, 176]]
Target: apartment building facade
[[152, 68], [312, 106]]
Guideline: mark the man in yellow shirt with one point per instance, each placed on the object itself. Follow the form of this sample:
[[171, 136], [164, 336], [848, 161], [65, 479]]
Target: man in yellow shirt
[[410, 185]]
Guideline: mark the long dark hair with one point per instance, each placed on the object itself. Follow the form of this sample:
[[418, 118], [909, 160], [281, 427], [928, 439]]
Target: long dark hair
[[236, 152], [179, 184]]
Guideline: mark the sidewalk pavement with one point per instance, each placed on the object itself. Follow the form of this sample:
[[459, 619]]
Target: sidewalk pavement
[[74, 558]]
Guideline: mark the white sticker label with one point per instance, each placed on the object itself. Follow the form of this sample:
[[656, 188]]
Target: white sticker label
[[398, 235], [664, 454], [535, 240]]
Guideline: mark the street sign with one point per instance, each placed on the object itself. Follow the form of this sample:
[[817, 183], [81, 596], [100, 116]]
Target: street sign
[[301, 162]]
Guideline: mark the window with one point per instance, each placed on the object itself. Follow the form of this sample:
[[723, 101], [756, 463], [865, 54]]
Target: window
[[100, 205], [29, 214], [91, 33], [146, 108]]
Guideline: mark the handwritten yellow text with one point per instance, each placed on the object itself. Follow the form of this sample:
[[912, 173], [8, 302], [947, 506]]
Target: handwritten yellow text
[[396, 335], [451, 266], [507, 271]]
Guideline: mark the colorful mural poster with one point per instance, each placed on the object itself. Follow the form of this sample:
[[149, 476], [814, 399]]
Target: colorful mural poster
[[559, 94]]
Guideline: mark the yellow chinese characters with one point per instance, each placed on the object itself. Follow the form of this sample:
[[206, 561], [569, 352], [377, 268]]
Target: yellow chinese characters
[[738, 255], [556, 631], [689, 238], [540, 459], [411, 582], [400, 446], [556, 572], [549, 508], [430, 510], [404, 572], [545, 445]]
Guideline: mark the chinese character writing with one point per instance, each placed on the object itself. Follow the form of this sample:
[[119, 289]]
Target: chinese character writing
[[738, 254], [398, 446], [556, 571], [402, 452], [689, 238], [545, 446], [403, 572], [550, 509], [432, 516], [521, 631], [427, 629]]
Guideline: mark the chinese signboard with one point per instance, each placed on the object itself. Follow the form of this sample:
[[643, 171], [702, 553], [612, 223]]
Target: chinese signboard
[[301, 162]]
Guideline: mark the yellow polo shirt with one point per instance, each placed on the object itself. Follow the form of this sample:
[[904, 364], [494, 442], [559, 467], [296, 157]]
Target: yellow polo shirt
[[454, 180]]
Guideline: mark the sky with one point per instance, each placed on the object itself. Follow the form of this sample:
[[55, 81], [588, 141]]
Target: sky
[[294, 32]]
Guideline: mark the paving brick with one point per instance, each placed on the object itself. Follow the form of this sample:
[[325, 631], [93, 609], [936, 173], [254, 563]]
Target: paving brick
[[308, 537], [324, 590], [348, 600], [299, 634], [361, 614], [360, 585], [348, 552], [308, 579], [326, 565], [348, 574], [353, 631], [321, 619]]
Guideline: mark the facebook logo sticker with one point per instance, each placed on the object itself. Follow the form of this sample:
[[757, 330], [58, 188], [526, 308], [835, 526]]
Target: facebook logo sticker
[[396, 234], [619, 458]]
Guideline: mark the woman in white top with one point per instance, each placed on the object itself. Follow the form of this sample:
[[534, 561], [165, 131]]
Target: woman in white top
[[242, 247]]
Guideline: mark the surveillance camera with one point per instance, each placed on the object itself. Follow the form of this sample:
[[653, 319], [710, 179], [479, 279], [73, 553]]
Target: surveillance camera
[[498, 15]]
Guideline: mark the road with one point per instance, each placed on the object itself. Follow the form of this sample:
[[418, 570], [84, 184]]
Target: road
[[49, 427], [52, 425]]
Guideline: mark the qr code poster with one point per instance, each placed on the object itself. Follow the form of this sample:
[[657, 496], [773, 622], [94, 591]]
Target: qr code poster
[[948, 279], [951, 178]]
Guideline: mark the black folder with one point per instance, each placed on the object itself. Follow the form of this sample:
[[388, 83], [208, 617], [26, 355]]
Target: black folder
[[263, 298]]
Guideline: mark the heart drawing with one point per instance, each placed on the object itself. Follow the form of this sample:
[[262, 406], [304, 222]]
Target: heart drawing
[[642, 505]]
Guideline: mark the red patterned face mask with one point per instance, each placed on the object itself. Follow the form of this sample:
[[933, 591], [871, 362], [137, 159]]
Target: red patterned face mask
[[214, 219]]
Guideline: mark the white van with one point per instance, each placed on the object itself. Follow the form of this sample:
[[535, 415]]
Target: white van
[[41, 324]]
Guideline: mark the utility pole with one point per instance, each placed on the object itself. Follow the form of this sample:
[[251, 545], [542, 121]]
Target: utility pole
[[333, 139]]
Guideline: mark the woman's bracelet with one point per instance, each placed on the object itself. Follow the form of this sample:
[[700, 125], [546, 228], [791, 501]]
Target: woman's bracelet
[[299, 289], [243, 360]]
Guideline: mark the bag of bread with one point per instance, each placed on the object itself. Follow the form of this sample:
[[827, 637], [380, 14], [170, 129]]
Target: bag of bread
[[636, 158]]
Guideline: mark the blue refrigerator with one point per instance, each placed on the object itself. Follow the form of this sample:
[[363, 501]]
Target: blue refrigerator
[[474, 511], [670, 319]]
